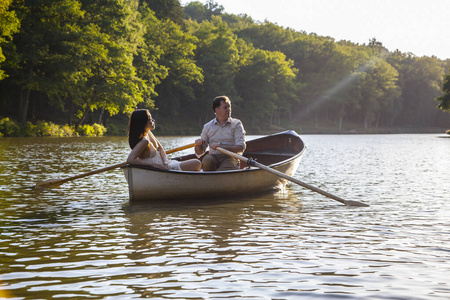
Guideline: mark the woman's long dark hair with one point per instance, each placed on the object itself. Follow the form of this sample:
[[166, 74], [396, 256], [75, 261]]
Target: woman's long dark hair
[[136, 127]]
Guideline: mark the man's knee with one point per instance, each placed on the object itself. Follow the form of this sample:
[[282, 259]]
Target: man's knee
[[228, 164], [209, 163]]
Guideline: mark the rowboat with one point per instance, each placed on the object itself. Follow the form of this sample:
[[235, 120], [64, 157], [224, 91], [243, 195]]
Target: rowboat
[[282, 152]]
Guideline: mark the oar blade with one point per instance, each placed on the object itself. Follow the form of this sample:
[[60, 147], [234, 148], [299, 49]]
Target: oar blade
[[48, 183], [356, 203]]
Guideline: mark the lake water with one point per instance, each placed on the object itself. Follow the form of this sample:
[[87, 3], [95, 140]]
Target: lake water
[[84, 240]]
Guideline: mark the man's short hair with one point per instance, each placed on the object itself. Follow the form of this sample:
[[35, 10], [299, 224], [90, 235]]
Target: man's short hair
[[218, 100]]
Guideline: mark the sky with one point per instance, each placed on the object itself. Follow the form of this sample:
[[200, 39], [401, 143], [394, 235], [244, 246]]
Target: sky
[[421, 27]]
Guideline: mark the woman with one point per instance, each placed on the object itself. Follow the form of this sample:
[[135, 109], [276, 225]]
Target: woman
[[146, 149]]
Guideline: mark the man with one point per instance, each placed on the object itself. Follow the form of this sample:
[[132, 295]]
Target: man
[[222, 131]]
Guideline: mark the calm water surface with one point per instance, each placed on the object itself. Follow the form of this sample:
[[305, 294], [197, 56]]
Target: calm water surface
[[84, 240]]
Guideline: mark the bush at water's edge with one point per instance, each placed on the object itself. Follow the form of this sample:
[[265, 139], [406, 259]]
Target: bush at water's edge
[[9, 128]]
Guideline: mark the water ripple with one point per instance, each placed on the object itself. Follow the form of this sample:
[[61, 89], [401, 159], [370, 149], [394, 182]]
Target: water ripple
[[84, 240]]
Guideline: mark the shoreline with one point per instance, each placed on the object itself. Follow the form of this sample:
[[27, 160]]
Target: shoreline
[[276, 129], [379, 131]]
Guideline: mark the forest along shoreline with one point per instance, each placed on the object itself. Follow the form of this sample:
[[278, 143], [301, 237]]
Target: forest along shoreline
[[72, 64]]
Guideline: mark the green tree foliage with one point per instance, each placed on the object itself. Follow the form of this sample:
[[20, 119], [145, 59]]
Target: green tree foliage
[[199, 12], [323, 66], [196, 11], [79, 54], [9, 24], [420, 83], [111, 82], [166, 9], [82, 59], [174, 60], [378, 91], [324, 69], [445, 98], [40, 46], [148, 53], [267, 83], [218, 56]]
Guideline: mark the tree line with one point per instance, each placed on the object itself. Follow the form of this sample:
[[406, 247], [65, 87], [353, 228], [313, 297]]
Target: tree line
[[85, 61]]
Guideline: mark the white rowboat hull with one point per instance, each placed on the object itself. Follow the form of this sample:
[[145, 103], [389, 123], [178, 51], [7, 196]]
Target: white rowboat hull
[[150, 184]]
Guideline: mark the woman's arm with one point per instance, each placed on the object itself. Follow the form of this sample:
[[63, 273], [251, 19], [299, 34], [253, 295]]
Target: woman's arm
[[133, 157], [163, 154]]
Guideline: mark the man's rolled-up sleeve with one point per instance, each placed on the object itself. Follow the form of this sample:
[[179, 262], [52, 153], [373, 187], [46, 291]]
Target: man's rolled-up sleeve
[[239, 135]]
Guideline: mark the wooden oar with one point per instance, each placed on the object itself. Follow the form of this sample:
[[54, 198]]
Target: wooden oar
[[55, 182], [252, 162], [180, 148]]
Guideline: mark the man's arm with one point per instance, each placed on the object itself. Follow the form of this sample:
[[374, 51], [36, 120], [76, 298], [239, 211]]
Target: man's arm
[[232, 148], [239, 139]]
